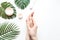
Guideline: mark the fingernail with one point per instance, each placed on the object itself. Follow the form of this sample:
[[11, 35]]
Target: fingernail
[[32, 14]]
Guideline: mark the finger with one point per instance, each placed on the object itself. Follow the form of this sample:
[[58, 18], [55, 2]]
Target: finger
[[33, 18], [28, 22], [30, 18], [31, 15], [31, 22], [34, 22]]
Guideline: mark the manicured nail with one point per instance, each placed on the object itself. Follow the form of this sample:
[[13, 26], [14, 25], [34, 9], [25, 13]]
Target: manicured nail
[[32, 14]]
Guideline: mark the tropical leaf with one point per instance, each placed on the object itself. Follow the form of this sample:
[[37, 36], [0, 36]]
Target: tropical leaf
[[2, 10], [8, 31], [22, 3]]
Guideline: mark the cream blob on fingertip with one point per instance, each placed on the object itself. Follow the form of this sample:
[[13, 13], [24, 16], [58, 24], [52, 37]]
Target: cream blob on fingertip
[[9, 11]]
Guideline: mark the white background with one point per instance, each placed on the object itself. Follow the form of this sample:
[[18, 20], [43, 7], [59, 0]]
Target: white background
[[47, 17]]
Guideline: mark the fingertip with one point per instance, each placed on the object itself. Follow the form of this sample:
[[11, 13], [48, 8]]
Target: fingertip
[[32, 14], [26, 20]]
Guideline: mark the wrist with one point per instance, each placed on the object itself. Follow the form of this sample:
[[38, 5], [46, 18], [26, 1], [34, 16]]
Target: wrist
[[33, 37]]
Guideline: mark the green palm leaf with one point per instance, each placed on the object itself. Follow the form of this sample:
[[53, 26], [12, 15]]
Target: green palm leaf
[[8, 31], [22, 3]]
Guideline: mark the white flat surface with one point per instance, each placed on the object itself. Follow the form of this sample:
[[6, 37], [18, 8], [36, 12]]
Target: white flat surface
[[47, 17]]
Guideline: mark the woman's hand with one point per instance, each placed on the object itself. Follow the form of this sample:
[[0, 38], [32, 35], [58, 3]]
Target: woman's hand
[[31, 27]]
